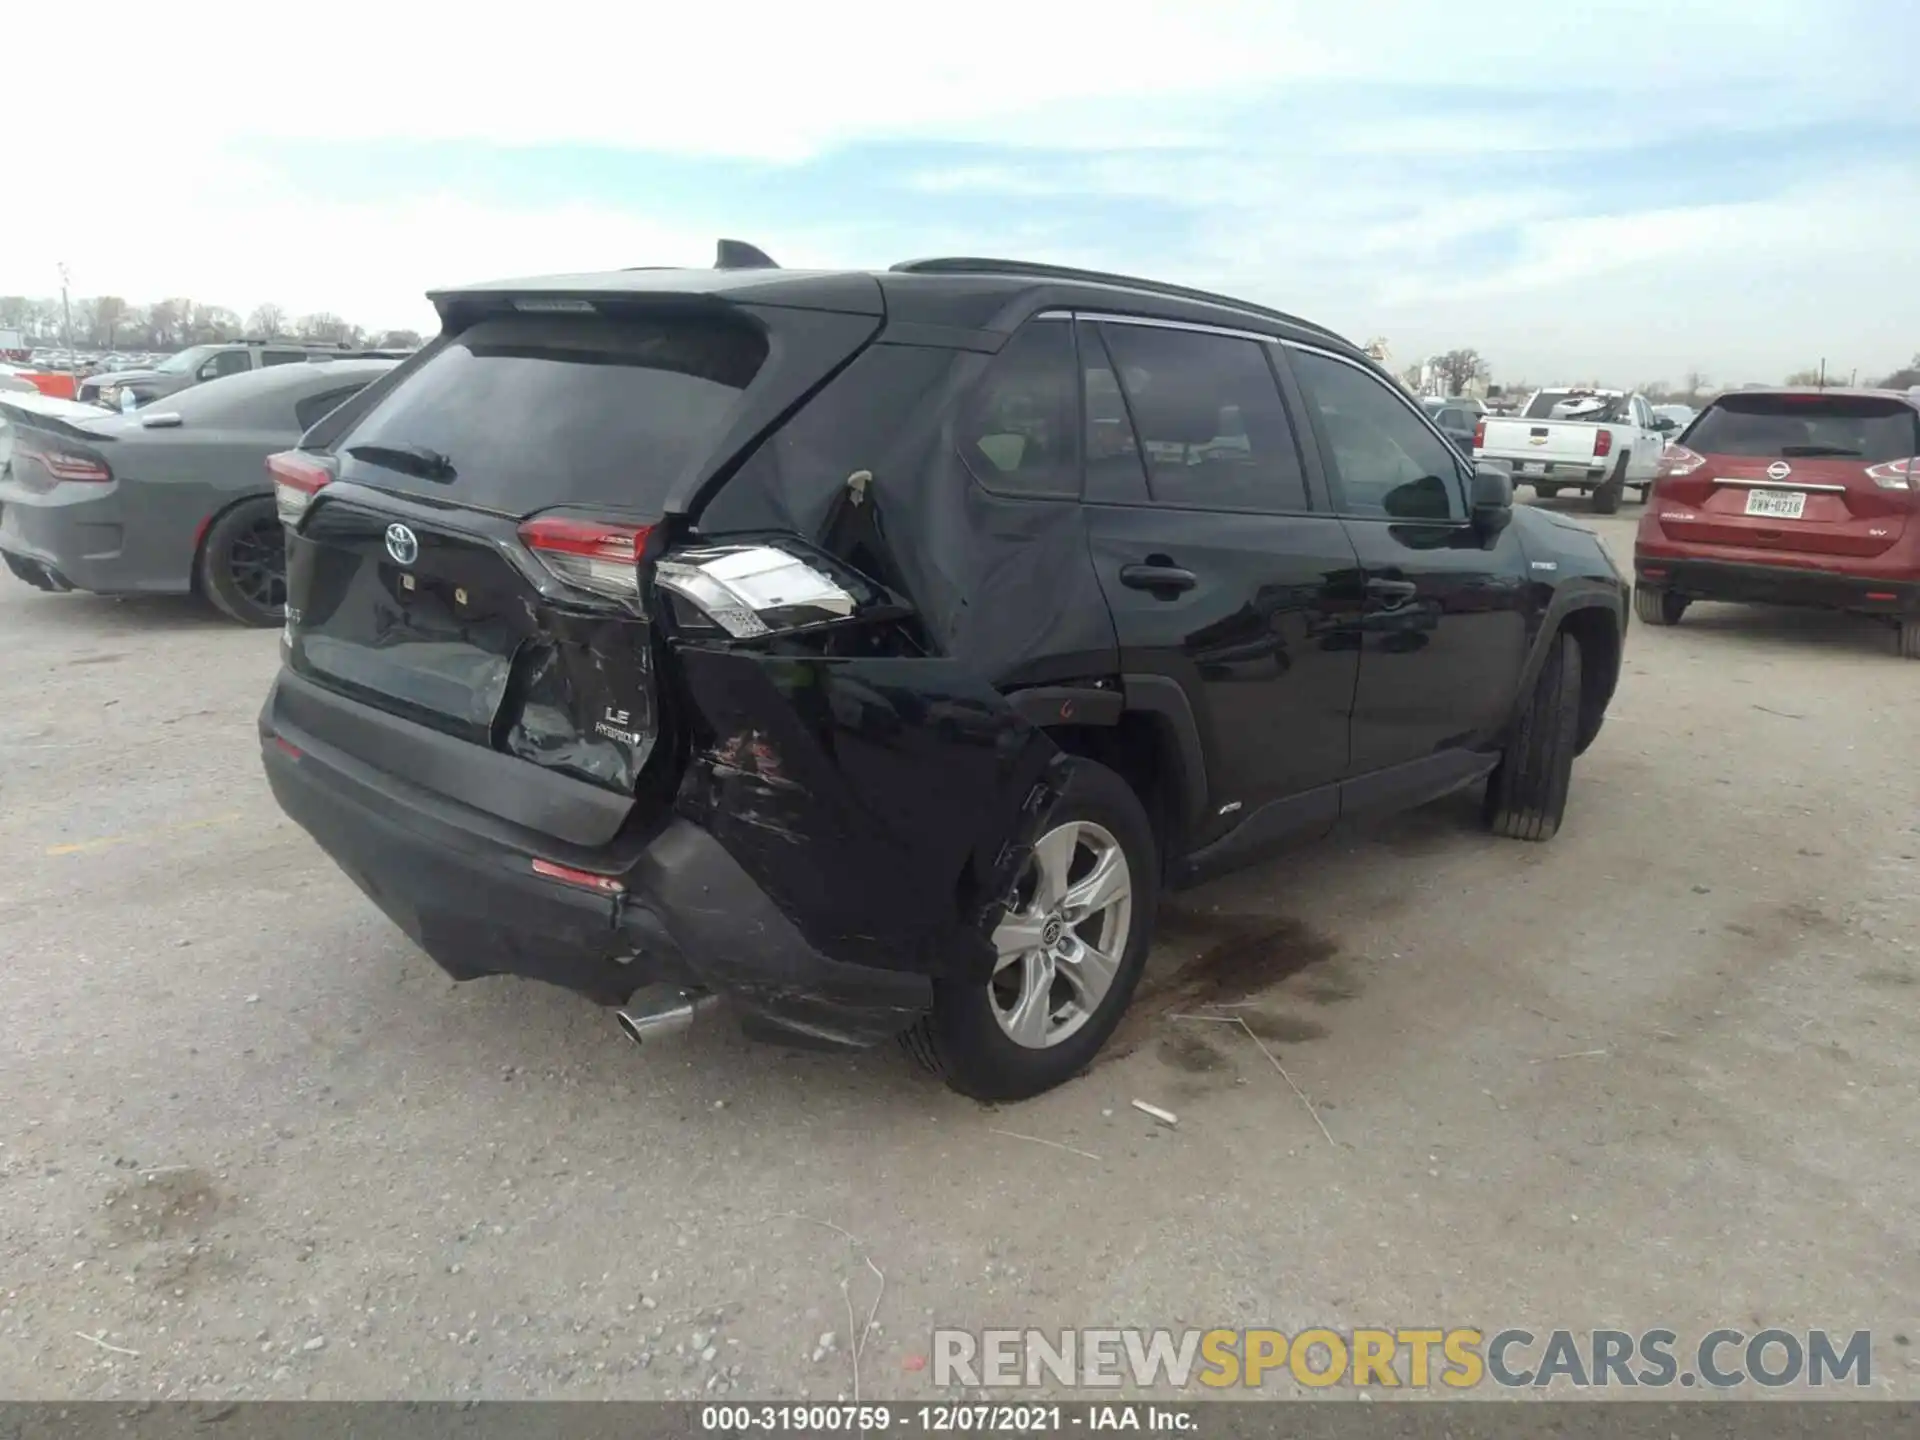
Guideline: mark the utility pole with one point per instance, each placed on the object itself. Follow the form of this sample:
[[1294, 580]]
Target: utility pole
[[66, 311], [1823, 372]]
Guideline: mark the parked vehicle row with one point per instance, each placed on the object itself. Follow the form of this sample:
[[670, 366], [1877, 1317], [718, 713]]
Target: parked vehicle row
[[130, 389]]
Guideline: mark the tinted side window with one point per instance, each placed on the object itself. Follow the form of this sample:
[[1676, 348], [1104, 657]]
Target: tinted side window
[[1116, 473], [1210, 420], [1019, 429], [308, 412], [1455, 418], [283, 357], [1385, 462], [231, 362]]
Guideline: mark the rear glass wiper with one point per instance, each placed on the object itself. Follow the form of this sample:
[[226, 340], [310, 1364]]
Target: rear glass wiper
[[407, 459]]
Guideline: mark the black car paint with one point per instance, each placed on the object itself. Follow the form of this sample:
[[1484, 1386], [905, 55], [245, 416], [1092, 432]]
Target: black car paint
[[859, 803]]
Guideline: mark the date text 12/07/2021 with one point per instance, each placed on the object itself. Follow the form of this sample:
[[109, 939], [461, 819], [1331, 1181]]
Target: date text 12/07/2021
[[940, 1419]]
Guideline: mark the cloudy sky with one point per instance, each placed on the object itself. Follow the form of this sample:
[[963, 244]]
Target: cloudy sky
[[1612, 191]]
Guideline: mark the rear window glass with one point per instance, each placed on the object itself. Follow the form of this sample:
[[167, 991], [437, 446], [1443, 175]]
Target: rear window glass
[[534, 411], [1577, 405], [1781, 427]]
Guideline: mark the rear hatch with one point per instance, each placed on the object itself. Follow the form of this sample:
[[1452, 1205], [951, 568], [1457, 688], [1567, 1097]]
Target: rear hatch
[[465, 556], [1801, 473]]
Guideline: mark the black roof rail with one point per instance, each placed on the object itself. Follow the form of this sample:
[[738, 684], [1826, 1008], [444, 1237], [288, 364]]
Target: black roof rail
[[1028, 269]]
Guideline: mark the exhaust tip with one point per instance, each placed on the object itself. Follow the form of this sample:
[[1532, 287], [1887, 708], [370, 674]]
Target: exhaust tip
[[658, 1011]]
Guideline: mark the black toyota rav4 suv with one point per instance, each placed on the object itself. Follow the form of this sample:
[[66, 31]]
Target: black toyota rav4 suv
[[871, 650]]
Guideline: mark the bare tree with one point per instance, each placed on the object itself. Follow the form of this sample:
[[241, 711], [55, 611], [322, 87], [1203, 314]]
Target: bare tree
[[1460, 368], [399, 340], [326, 328], [266, 321], [109, 314], [1696, 383], [1805, 377], [163, 324], [1905, 378], [208, 323]]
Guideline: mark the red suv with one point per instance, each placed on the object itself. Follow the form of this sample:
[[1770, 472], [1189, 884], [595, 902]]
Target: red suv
[[1789, 497]]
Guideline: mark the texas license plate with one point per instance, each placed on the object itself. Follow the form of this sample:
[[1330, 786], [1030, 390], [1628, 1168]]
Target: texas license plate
[[1777, 504]]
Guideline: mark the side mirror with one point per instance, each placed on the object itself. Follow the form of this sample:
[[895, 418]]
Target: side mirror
[[1492, 493], [1664, 424]]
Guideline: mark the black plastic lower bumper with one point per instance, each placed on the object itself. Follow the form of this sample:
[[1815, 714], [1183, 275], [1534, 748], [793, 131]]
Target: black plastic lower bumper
[[1777, 585], [469, 897]]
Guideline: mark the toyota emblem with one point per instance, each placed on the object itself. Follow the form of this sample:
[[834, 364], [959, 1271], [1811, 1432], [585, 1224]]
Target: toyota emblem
[[1779, 470], [402, 544]]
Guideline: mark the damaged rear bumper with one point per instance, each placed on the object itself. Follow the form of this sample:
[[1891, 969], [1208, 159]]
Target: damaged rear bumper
[[769, 883]]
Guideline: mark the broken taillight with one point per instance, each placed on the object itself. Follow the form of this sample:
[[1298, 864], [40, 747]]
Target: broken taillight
[[297, 478], [750, 590], [598, 555]]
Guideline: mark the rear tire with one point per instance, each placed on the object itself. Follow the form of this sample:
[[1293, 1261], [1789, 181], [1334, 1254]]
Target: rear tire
[[1910, 637], [1657, 607], [966, 1038], [1527, 793], [1606, 495], [243, 564]]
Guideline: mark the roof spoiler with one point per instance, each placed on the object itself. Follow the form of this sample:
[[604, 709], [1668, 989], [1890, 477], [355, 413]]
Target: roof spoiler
[[738, 255]]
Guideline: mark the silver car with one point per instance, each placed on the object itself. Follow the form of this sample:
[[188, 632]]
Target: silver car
[[173, 498]]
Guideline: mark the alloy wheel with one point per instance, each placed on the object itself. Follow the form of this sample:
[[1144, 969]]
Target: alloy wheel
[[257, 561], [1061, 941]]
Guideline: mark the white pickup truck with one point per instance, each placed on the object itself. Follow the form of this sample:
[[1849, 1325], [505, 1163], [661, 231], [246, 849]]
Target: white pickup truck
[[1572, 438]]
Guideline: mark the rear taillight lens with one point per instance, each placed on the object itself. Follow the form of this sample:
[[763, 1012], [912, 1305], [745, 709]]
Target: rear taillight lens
[[1480, 434], [1896, 474], [598, 555], [1677, 460], [78, 466], [297, 478], [749, 590], [1602, 443]]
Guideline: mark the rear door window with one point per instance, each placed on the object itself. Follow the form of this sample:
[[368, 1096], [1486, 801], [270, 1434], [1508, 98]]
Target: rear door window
[[534, 411], [1867, 428], [1116, 473], [1212, 426], [1017, 430]]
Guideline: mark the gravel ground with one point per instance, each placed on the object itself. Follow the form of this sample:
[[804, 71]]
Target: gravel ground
[[1662, 1071]]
